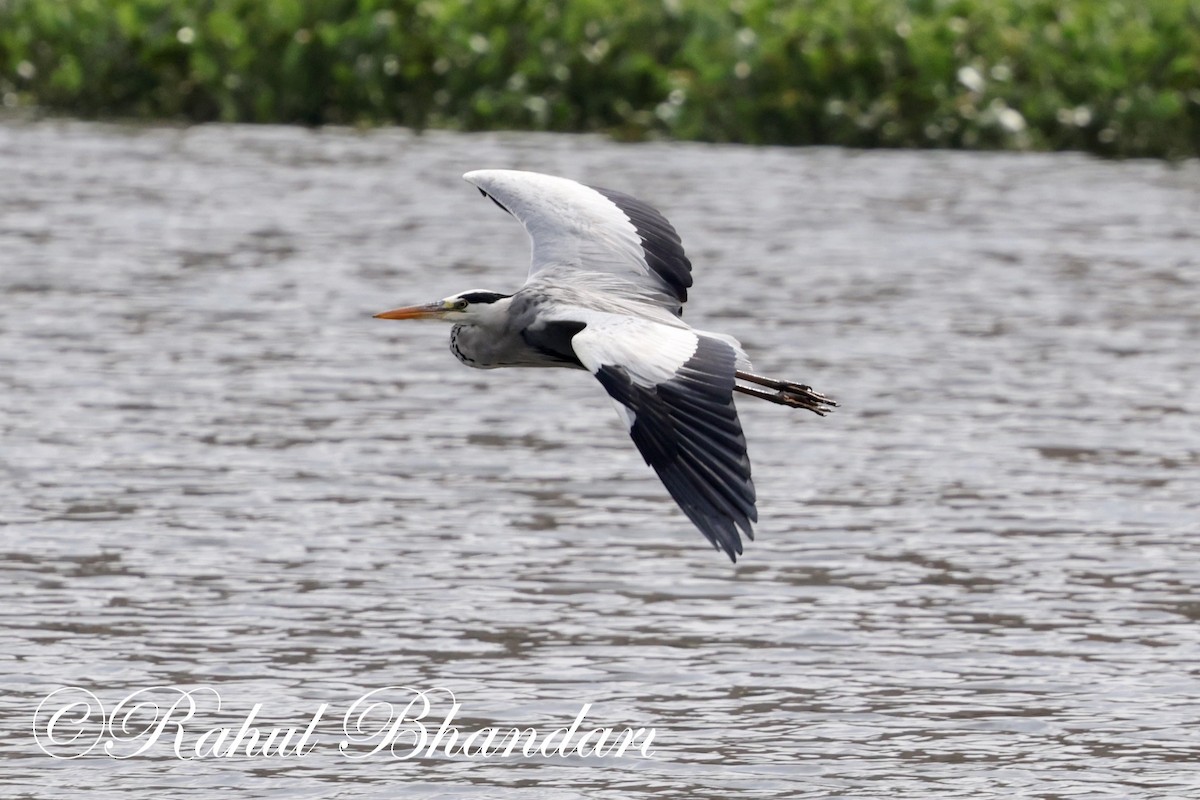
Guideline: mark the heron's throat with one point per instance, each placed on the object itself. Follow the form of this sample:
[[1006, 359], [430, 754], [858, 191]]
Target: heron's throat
[[463, 341]]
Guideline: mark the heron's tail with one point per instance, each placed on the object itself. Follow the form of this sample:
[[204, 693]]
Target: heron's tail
[[795, 395]]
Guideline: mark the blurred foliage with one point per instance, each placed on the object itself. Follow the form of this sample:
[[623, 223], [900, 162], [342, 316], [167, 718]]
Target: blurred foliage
[[1117, 78]]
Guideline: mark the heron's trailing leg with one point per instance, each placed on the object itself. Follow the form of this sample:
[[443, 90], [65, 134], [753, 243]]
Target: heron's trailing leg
[[795, 395]]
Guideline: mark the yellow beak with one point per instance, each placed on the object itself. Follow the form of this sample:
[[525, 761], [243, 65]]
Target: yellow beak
[[427, 311]]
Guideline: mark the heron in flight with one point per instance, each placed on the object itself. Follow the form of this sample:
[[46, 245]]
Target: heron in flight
[[605, 293]]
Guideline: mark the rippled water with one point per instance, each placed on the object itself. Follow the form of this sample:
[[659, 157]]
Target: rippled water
[[977, 579]]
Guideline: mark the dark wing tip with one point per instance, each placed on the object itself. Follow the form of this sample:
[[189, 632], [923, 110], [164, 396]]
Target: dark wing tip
[[687, 429], [661, 244]]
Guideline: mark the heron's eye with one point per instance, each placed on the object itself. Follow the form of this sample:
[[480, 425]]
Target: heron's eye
[[460, 305]]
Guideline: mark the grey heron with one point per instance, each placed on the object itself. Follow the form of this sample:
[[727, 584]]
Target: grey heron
[[605, 293]]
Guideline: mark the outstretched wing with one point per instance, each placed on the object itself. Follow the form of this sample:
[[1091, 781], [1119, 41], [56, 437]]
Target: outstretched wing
[[596, 230], [674, 388]]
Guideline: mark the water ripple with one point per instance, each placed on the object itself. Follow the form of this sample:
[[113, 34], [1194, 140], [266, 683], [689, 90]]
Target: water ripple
[[977, 578]]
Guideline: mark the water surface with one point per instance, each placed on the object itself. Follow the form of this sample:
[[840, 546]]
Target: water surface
[[976, 579]]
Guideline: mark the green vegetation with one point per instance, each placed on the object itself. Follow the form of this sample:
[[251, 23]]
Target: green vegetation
[[1115, 77]]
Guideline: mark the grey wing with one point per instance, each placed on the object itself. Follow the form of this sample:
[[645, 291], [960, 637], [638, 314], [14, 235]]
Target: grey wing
[[675, 392], [594, 230]]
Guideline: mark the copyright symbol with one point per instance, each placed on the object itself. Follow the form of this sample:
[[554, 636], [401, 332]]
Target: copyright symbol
[[68, 723]]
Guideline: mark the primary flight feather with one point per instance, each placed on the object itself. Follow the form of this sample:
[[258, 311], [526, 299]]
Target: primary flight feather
[[605, 293]]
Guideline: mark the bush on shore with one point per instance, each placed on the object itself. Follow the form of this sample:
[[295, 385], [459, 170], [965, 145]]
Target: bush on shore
[[1115, 78]]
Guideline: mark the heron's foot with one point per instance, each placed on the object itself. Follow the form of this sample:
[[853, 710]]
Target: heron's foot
[[787, 393]]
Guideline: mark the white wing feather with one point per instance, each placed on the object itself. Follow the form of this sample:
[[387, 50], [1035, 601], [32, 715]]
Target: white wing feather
[[649, 351], [578, 227]]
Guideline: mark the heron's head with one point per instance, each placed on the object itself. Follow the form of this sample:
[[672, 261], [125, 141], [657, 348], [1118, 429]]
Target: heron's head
[[475, 306]]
